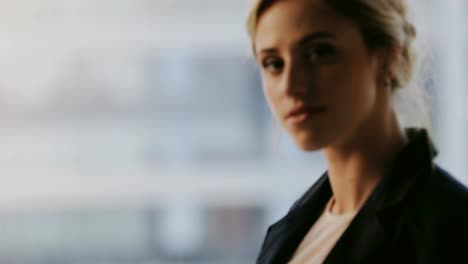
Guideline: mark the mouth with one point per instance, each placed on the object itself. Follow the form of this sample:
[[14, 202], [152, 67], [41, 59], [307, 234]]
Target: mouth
[[301, 114]]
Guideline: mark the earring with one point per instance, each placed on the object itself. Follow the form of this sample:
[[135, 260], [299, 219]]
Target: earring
[[386, 82], [386, 79]]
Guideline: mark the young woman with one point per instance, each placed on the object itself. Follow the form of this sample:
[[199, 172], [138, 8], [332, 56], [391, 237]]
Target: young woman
[[329, 69]]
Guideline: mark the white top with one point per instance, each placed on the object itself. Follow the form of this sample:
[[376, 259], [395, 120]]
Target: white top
[[322, 237]]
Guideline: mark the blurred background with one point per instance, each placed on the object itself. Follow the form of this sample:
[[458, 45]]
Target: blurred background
[[135, 131]]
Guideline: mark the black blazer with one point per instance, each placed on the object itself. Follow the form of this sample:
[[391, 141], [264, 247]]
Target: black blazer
[[418, 213]]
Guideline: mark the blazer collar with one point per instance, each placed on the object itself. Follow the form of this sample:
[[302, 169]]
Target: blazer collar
[[284, 236], [411, 165], [366, 232], [365, 235]]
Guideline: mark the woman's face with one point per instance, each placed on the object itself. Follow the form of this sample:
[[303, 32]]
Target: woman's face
[[319, 78]]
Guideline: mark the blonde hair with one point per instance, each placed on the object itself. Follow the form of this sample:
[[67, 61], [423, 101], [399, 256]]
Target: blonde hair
[[382, 23]]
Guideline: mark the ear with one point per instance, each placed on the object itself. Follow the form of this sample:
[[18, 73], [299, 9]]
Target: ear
[[389, 61]]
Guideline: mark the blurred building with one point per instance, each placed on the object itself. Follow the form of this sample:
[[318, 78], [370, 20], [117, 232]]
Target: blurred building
[[135, 131]]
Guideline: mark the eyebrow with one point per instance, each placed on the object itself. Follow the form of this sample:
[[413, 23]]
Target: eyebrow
[[303, 41]]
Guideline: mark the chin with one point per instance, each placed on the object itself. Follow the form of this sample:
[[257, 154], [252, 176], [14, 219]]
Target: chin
[[308, 143], [309, 147]]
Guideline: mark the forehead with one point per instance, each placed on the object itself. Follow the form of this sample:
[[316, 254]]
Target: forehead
[[290, 20]]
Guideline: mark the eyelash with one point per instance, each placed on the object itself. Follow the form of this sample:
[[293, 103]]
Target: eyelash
[[320, 52], [276, 63], [315, 54]]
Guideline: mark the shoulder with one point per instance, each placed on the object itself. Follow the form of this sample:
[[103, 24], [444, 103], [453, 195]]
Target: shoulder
[[437, 195], [450, 201], [440, 208], [440, 197], [435, 218], [448, 192], [449, 204]]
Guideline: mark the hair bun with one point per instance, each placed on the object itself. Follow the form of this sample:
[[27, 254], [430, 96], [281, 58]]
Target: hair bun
[[410, 30]]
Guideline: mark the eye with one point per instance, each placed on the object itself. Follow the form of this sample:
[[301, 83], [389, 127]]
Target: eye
[[272, 64], [321, 52]]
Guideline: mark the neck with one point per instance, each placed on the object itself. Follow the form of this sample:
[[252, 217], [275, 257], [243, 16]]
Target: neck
[[354, 169]]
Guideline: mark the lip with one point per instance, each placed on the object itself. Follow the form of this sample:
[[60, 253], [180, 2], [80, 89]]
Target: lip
[[300, 114]]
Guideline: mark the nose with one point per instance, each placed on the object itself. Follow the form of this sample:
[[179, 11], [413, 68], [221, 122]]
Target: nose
[[296, 79]]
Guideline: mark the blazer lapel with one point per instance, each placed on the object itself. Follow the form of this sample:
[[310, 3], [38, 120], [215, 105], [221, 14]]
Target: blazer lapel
[[364, 237], [283, 237], [371, 229], [369, 233]]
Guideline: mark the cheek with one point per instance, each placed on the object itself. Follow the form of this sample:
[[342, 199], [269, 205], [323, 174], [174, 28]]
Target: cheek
[[349, 85], [351, 92], [362, 90], [271, 94]]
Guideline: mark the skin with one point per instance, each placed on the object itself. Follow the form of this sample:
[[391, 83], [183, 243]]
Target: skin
[[311, 56]]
